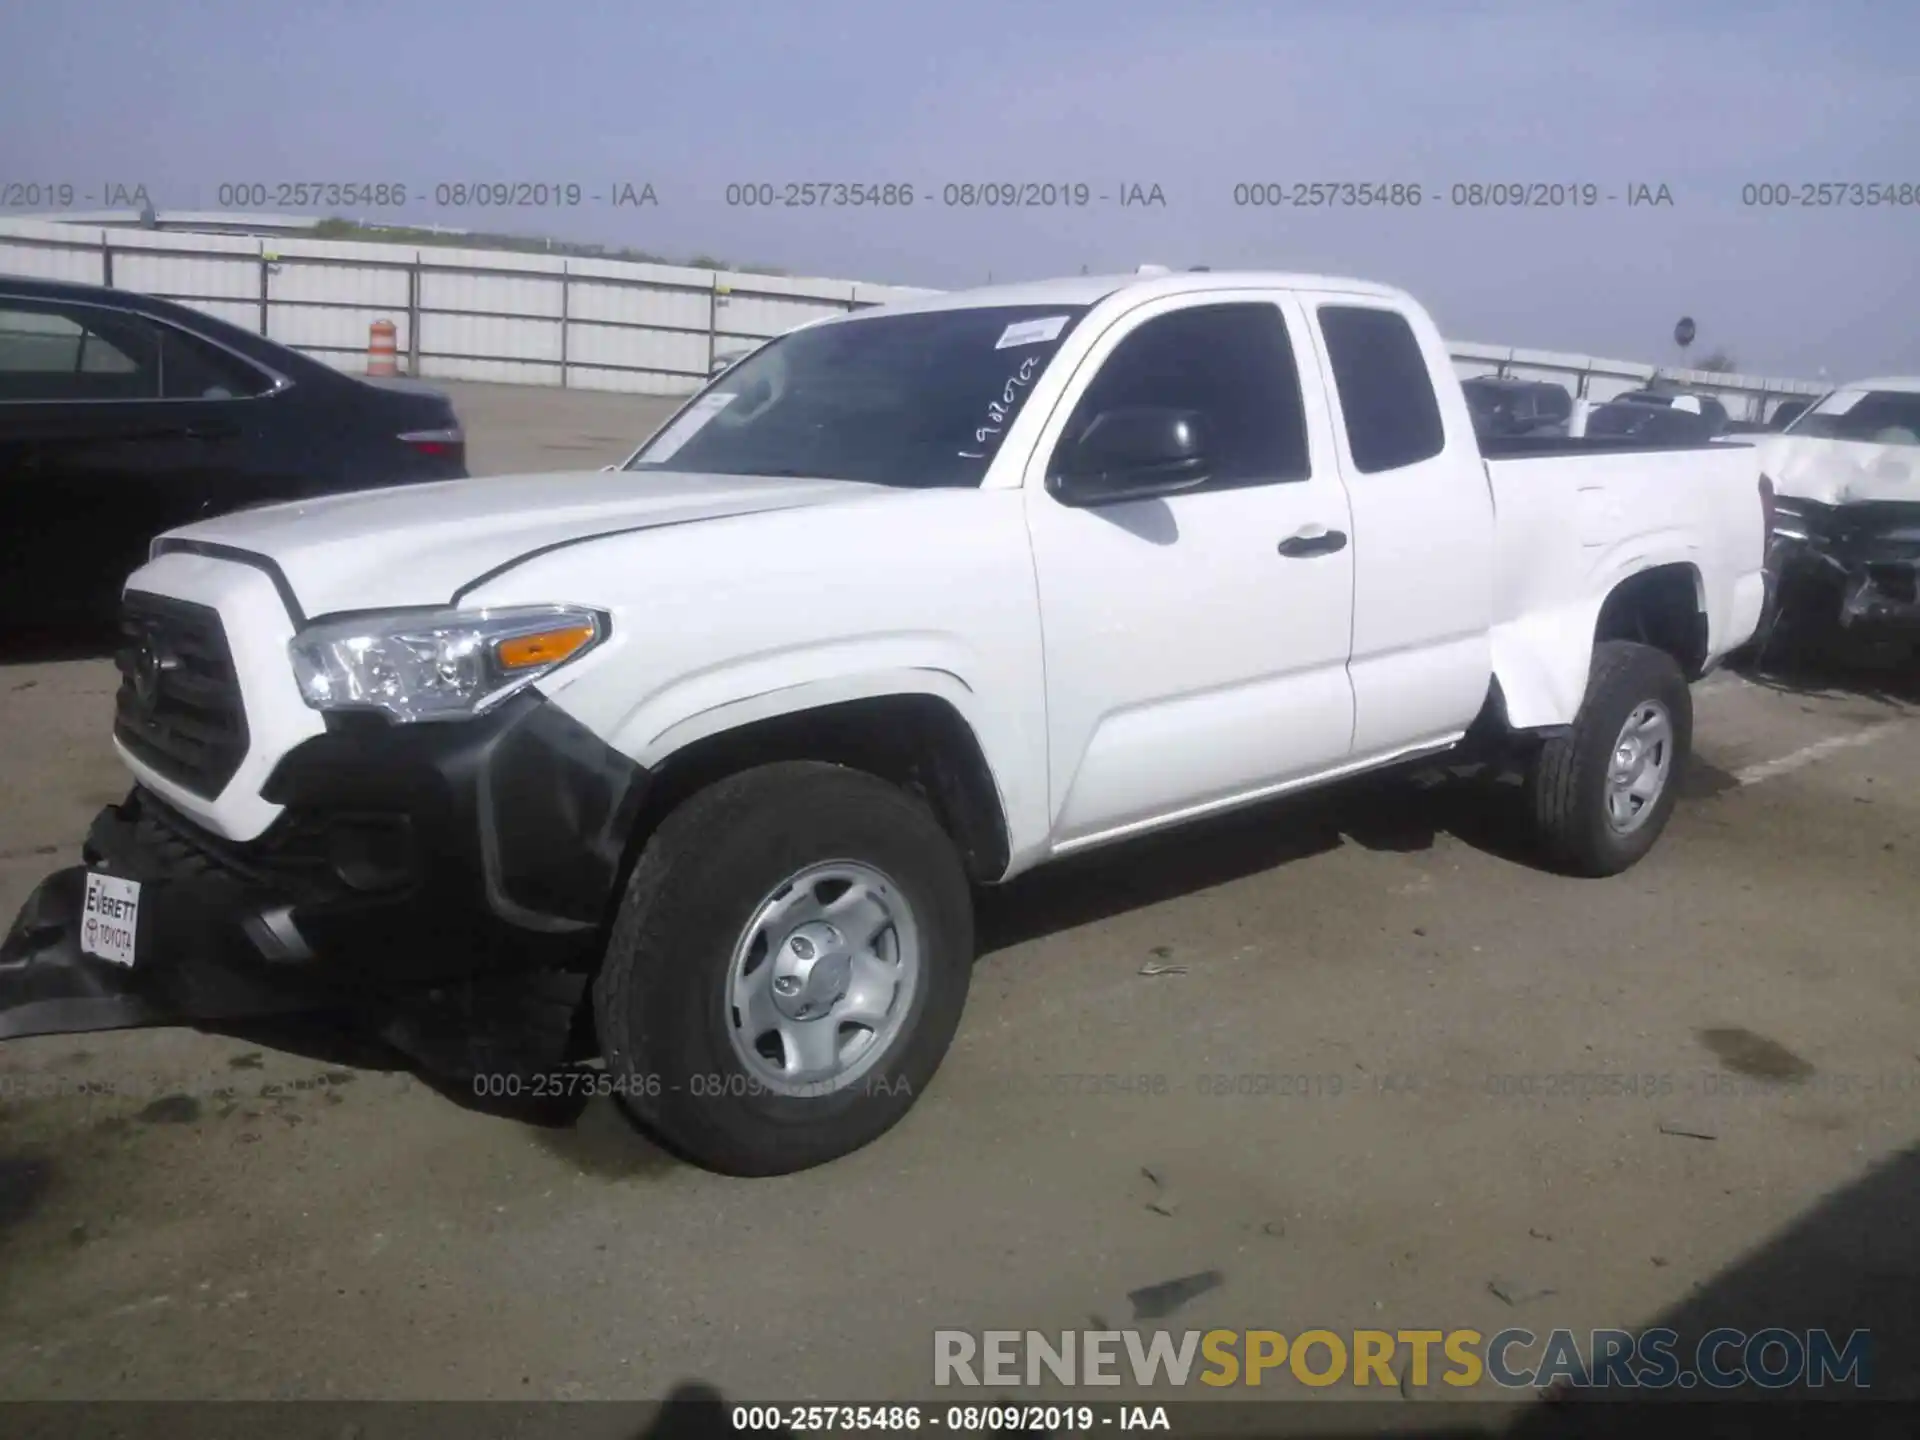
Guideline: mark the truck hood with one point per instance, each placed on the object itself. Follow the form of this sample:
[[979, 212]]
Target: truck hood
[[1841, 472], [419, 544]]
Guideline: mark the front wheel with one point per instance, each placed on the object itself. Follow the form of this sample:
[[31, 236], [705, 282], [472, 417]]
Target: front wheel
[[1602, 794], [787, 969]]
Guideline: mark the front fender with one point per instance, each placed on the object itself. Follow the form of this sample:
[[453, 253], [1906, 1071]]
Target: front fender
[[750, 689], [750, 617], [683, 715]]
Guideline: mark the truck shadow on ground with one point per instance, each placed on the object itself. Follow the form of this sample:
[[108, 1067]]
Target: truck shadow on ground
[[1396, 813], [1851, 1263], [1821, 664], [593, 1134], [24, 1182]]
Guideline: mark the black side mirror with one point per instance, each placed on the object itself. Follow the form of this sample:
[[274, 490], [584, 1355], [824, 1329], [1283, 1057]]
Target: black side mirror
[[1134, 454]]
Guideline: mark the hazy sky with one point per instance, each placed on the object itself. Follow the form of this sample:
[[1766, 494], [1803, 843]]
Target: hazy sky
[[1194, 97]]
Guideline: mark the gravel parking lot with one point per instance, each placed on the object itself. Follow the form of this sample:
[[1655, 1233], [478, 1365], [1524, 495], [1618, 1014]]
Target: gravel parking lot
[[1354, 1054]]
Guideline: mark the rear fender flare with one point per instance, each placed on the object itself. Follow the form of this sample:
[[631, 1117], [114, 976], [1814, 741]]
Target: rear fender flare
[[1541, 659]]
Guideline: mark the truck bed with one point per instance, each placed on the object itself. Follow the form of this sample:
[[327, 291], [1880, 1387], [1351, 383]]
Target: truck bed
[[1574, 516]]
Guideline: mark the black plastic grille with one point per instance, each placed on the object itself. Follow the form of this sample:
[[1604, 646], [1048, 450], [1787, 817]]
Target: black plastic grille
[[179, 708]]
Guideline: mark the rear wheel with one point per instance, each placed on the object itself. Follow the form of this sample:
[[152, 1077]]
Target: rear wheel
[[1602, 794], [787, 969]]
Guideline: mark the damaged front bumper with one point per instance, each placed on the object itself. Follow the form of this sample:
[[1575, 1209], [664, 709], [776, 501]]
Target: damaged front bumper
[[409, 864], [198, 951]]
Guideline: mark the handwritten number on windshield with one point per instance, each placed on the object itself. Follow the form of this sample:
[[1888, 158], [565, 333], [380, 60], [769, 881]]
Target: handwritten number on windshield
[[1000, 411]]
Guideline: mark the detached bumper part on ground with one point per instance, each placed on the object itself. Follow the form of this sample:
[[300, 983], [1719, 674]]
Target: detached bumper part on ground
[[407, 858]]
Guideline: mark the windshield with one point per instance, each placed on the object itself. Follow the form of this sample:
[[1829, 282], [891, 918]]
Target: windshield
[[1870, 417], [921, 399]]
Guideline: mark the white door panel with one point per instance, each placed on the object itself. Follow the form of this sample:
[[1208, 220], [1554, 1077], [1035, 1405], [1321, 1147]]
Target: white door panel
[[1186, 753], [1423, 547], [1426, 693], [1188, 660]]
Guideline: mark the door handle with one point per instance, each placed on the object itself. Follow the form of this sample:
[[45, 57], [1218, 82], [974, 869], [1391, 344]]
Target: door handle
[[1325, 543]]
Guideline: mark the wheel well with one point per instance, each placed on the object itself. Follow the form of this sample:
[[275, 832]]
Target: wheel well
[[1660, 607], [918, 742]]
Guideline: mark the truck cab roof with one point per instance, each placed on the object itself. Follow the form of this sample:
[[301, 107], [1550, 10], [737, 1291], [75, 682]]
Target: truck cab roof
[[1086, 290]]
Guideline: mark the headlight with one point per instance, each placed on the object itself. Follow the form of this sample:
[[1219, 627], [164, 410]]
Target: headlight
[[437, 664]]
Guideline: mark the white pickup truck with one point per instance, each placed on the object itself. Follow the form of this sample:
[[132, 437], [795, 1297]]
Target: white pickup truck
[[714, 746]]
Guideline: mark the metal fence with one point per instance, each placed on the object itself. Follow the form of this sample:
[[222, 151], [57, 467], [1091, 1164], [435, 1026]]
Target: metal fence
[[520, 318], [501, 316]]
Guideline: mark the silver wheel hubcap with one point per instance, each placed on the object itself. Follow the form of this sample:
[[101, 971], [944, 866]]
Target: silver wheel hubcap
[[1638, 769], [822, 978]]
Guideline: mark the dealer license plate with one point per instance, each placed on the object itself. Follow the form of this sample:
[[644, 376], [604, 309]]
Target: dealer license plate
[[110, 918]]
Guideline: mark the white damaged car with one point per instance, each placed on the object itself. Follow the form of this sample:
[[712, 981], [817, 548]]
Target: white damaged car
[[1846, 534]]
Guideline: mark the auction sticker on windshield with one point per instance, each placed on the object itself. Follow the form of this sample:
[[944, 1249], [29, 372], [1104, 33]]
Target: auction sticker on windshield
[[110, 917], [690, 424], [1032, 332]]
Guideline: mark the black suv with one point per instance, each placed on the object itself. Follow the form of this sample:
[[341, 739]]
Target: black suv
[[123, 415]]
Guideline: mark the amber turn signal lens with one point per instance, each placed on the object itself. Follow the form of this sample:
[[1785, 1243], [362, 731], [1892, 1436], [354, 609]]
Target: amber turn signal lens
[[549, 647]]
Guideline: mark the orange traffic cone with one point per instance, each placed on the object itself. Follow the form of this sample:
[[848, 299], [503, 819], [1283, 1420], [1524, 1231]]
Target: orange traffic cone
[[381, 353]]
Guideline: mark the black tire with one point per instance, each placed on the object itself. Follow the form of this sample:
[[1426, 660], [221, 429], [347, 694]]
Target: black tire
[[660, 1000], [1568, 783]]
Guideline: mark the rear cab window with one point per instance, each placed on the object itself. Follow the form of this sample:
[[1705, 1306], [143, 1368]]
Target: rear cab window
[[1387, 400]]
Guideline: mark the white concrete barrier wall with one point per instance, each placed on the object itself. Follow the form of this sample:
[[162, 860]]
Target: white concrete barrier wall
[[527, 319]]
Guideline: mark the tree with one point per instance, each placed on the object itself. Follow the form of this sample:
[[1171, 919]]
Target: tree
[[1718, 363]]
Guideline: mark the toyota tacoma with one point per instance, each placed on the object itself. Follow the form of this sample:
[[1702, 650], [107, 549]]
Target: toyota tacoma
[[694, 766]]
